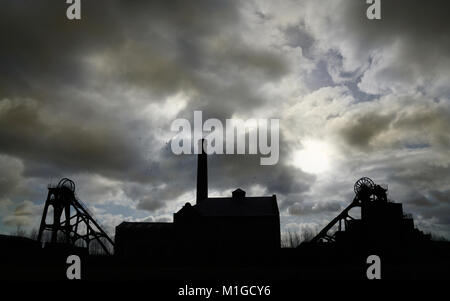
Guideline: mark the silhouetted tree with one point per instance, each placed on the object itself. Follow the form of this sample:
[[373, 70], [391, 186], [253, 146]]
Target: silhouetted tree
[[19, 232], [33, 234], [435, 237], [294, 239]]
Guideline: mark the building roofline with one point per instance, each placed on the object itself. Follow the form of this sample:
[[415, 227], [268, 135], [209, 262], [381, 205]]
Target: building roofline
[[144, 223]]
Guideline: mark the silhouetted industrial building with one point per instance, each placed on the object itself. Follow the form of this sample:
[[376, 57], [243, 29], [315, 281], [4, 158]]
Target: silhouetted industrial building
[[236, 225], [138, 238], [382, 224]]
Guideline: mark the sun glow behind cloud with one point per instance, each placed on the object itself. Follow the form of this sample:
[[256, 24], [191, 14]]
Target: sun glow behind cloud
[[314, 157]]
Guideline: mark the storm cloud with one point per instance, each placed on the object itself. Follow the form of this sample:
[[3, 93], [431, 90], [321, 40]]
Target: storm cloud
[[93, 100]]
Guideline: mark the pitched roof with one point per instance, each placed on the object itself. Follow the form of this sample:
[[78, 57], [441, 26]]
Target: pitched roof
[[245, 206], [143, 225]]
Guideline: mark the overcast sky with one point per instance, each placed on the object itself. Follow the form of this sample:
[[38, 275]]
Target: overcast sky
[[93, 100]]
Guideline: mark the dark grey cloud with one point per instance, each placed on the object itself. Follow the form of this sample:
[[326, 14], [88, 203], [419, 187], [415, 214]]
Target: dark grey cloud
[[94, 99], [151, 203], [157, 46], [406, 49], [34, 135], [424, 25], [311, 208], [67, 102], [360, 131], [396, 122], [11, 176], [297, 36]]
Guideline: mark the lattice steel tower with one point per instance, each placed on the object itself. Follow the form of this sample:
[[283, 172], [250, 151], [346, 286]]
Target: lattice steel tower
[[71, 218]]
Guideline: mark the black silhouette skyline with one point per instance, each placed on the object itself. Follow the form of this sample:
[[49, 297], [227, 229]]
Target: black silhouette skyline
[[92, 102], [219, 233]]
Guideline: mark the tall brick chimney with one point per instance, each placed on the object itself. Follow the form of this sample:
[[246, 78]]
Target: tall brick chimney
[[202, 174]]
